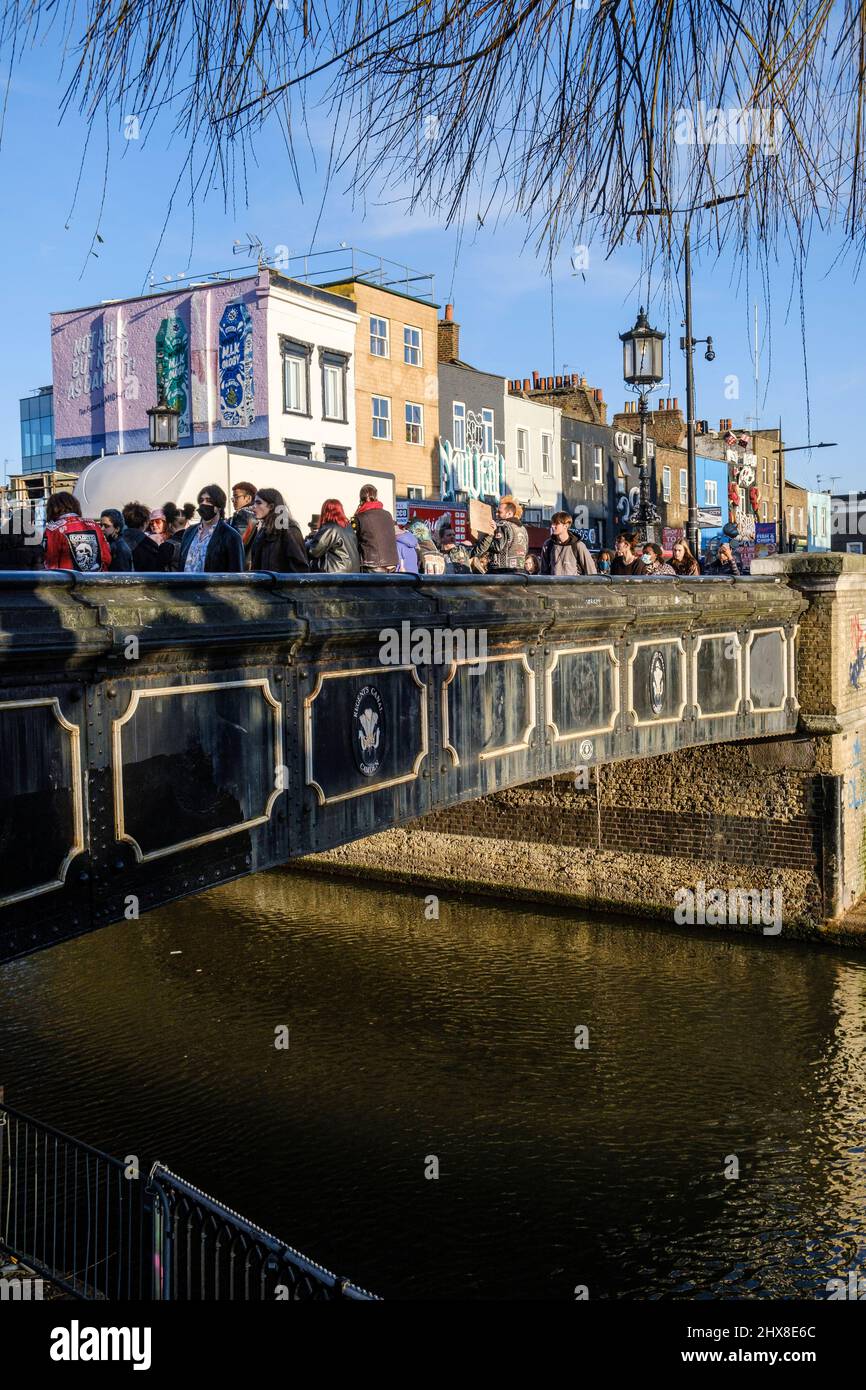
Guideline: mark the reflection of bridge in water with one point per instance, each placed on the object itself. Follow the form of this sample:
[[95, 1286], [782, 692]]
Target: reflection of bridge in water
[[158, 735]]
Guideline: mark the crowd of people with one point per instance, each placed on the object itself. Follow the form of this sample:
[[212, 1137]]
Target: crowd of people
[[260, 533]]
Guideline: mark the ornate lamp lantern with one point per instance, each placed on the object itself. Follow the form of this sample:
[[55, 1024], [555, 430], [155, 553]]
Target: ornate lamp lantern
[[643, 369], [162, 422]]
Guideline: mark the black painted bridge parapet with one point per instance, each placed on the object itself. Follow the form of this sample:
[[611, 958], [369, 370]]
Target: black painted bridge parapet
[[161, 734]]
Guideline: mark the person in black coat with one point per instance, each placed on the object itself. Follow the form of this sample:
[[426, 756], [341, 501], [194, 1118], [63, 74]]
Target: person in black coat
[[135, 518], [278, 544], [333, 548], [212, 547], [111, 522]]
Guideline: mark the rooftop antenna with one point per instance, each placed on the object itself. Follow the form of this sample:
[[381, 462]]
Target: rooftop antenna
[[832, 478], [246, 248]]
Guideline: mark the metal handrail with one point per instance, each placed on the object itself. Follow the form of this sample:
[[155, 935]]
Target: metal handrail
[[166, 1185], [76, 1216]]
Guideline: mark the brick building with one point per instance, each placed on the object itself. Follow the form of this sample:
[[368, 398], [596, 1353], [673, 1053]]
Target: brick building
[[396, 385]]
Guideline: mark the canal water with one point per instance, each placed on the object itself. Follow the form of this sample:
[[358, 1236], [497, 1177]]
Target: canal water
[[416, 1043]]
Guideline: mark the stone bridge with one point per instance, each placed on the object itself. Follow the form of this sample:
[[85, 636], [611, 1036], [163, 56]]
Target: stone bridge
[[161, 734]]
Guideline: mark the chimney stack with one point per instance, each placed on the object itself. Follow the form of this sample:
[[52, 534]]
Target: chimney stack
[[449, 336]]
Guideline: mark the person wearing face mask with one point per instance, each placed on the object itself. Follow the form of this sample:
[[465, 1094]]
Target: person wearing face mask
[[605, 560], [654, 563], [213, 546]]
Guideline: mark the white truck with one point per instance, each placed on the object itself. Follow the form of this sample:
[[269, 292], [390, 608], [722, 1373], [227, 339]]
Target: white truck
[[157, 476]]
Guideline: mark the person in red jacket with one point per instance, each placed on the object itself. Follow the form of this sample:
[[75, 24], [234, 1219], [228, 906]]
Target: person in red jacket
[[70, 542]]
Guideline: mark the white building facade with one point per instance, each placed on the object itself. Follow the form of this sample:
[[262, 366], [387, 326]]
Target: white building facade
[[533, 452], [261, 362]]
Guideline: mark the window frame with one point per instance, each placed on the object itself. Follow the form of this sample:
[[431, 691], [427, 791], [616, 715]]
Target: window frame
[[455, 405], [547, 454], [409, 348], [576, 458], [667, 482], [711, 492], [524, 452], [332, 359], [329, 450], [381, 438], [295, 349], [598, 465], [684, 487], [488, 421], [298, 448], [416, 492], [378, 337], [414, 405]]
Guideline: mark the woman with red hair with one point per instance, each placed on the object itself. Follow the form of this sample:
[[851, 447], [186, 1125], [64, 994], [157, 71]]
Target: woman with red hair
[[334, 548]]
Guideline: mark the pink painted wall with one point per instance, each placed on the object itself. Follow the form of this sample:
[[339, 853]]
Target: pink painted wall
[[104, 368]]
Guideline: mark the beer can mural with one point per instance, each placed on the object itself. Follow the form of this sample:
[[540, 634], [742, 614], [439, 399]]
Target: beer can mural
[[236, 385], [172, 369]]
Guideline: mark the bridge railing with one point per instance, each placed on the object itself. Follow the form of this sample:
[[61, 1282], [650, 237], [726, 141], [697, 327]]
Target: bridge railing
[[102, 1229], [206, 1251]]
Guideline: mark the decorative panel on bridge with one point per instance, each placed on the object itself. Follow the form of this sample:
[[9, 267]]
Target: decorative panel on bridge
[[717, 675], [769, 664], [488, 708], [195, 763], [42, 805], [581, 689], [657, 681], [365, 730]]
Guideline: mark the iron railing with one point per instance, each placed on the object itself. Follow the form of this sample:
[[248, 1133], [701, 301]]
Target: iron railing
[[207, 1251], [100, 1229], [71, 1213]]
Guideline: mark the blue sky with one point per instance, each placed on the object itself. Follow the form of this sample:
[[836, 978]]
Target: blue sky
[[510, 322]]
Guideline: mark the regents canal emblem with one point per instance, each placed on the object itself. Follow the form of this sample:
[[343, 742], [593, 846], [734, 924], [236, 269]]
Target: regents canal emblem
[[657, 682], [368, 730]]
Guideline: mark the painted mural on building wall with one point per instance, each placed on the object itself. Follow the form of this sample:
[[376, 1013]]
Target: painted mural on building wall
[[172, 370], [101, 367], [236, 384]]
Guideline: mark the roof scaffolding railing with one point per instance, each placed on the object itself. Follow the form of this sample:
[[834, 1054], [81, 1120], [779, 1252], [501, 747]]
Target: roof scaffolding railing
[[319, 268]]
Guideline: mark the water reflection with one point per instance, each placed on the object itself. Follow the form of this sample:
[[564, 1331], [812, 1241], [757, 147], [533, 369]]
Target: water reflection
[[455, 1038]]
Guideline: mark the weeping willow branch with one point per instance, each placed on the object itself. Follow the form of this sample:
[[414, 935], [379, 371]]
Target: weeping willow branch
[[576, 116]]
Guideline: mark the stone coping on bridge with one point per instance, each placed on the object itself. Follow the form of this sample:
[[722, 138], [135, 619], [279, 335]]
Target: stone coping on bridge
[[69, 620]]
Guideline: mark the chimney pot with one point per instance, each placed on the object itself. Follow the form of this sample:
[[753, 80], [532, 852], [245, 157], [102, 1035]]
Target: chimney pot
[[536, 380], [449, 313], [583, 381], [527, 384], [559, 381], [722, 426], [676, 403]]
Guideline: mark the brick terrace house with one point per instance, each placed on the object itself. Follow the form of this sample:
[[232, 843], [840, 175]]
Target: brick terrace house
[[396, 385]]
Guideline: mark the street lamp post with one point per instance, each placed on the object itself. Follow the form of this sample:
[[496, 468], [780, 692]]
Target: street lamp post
[[688, 344], [642, 369]]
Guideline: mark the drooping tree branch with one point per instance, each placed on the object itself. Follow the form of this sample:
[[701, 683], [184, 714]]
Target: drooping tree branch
[[575, 115]]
